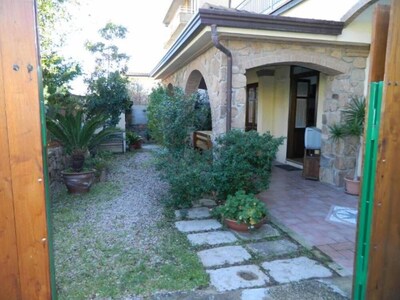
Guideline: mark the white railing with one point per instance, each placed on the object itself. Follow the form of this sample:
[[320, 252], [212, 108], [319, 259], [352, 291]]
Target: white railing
[[261, 6], [179, 17]]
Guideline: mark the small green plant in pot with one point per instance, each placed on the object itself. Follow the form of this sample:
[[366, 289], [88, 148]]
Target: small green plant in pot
[[242, 212], [353, 126], [134, 140]]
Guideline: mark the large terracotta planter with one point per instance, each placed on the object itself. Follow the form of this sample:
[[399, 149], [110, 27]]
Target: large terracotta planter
[[352, 187], [135, 146], [78, 183], [232, 224]]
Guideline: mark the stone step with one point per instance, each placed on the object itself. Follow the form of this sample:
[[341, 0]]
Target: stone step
[[266, 231], [211, 238], [273, 248], [295, 269], [237, 277], [193, 213], [228, 255], [198, 225]]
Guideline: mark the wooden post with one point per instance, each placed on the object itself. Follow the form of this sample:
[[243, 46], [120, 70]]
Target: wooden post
[[384, 263], [24, 257]]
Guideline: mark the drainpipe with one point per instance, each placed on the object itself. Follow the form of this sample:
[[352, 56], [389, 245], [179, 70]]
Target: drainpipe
[[217, 44]]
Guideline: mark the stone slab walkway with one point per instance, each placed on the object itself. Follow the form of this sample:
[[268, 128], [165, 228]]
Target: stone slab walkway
[[246, 265]]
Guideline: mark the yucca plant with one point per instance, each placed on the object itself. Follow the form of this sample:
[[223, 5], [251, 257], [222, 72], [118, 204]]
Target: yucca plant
[[353, 125], [78, 135]]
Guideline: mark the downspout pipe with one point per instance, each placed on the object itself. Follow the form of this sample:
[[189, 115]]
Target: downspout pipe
[[217, 44]]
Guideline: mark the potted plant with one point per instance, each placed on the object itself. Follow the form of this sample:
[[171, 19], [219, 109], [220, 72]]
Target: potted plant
[[353, 126], [79, 136], [134, 140], [242, 212]]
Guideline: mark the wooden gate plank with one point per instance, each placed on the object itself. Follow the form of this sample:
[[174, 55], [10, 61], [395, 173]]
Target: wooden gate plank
[[384, 268], [18, 47], [9, 275], [379, 43]]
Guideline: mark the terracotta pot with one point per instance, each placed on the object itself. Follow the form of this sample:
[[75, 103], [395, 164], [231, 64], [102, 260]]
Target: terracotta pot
[[78, 182], [234, 225], [135, 146], [352, 187]]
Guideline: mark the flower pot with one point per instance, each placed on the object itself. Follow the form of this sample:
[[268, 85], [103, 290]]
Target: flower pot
[[234, 225], [78, 182], [352, 187], [135, 146]]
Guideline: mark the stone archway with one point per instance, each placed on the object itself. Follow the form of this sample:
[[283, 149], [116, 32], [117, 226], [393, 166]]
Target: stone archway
[[317, 61], [197, 85], [194, 82]]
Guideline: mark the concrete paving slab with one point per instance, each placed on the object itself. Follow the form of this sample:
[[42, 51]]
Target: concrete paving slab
[[295, 269], [273, 248], [342, 285], [308, 289], [207, 202], [266, 231], [232, 278], [192, 213], [211, 238], [198, 225], [223, 255], [255, 294]]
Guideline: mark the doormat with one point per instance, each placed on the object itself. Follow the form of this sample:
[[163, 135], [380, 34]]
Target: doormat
[[341, 214], [288, 167]]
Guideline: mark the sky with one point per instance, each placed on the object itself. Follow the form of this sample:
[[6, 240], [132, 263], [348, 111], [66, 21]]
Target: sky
[[143, 19]]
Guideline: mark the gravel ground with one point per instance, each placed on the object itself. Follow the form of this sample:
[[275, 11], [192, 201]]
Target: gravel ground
[[138, 207], [115, 241]]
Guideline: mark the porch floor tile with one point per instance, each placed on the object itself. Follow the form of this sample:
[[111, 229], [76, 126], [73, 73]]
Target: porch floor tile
[[303, 207]]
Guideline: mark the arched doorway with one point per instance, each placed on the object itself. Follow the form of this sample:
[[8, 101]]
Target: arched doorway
[[197, 86]]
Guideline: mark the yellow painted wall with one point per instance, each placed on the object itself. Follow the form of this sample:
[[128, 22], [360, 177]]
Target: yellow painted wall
[[273, 103], [321, 98]]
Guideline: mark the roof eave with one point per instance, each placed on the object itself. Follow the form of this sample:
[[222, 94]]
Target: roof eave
[[245, 20]]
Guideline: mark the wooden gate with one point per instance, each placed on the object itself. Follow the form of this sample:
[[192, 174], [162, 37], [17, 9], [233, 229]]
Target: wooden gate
[[24, 250]]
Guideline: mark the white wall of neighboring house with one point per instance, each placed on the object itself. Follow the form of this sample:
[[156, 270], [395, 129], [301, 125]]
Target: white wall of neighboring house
[[321, 9], [139, 114]]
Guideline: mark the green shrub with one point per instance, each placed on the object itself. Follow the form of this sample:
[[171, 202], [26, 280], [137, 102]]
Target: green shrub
[[243, 161], [189, 174], [171, 117], [243, 208], [133, 138]]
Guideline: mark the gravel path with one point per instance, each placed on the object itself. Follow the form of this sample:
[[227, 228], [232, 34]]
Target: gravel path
[[111, 233], [138, 209]]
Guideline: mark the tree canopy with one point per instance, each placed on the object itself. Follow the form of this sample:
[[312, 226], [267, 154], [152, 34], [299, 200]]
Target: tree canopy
[[108, 85]]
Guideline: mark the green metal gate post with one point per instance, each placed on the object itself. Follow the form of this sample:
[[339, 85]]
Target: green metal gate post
[[367, 191], [47, 185]]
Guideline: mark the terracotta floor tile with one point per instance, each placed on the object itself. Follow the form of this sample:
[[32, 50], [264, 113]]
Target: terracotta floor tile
[[303, 206]]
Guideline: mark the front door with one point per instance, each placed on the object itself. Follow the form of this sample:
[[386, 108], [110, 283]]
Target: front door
[[302, 110], [251, 106]]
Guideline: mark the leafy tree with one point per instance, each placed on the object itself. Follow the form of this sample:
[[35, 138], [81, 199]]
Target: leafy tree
[[108, 85], [58, 71], [171, 116], [137, 93]]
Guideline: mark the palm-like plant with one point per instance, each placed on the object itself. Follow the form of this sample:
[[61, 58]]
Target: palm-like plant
[[78, 135], [354, 119]]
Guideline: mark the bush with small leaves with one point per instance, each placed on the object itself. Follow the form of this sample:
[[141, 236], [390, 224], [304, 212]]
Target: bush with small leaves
[[243, 161]]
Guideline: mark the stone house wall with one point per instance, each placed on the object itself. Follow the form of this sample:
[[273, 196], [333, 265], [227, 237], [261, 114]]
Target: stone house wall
[[344, 66]]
